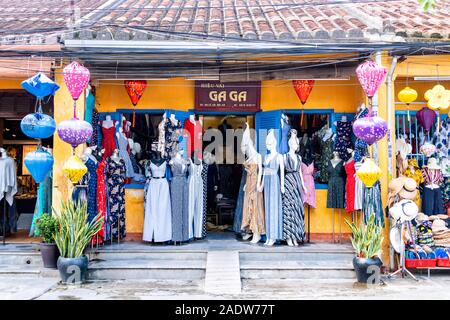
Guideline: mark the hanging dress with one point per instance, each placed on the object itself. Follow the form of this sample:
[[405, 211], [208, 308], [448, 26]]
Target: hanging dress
[[179, 196], [195, 139], [195, 200], [238, 212], [172, 134], [284, 147], [95, 127], [161, 148], [359, 189], [253, 219], [205, 196], [123, 151], [92, 189], [343, 139], [336, 186], [116, 197], [326, 153], [158, 212], [109, 141], [293, 214], [80, 190], [308, 179], [272, 200], [101, 200], [350, 185]]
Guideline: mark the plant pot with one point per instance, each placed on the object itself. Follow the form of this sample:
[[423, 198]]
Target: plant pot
[[49, 254], [73, 270], [367, 270]]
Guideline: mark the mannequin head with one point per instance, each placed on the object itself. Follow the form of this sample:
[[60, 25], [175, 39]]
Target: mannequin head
[[271, 141], [293, 141], [336, 155], [108, 117], [192, 118], [137, 147]]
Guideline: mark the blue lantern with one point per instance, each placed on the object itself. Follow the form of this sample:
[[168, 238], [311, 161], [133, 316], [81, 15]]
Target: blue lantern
[[40, 85], [38, 125], [39, 163]]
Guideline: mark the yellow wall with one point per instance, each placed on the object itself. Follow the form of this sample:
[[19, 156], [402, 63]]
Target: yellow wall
[[10, 84]]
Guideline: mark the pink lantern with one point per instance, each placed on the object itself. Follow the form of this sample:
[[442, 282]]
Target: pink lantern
[[370, 76], [370, 129], [426, 118], [76, 78]]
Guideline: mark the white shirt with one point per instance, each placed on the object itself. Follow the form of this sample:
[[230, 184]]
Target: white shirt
[[8, 179]]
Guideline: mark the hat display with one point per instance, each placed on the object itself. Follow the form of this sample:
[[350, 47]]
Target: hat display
[[439, 226], [409, 189], [405, 210], [402, 147], [432, 164], [428, 149], [422, 217]]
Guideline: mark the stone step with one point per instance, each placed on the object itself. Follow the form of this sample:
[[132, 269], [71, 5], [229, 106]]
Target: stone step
[[20, 258], [302, 256], [223, 272], [179, 256], [10, 271]]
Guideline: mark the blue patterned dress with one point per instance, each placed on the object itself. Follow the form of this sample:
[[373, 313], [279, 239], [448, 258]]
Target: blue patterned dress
[[116, 197], [92, 189], [272, 200]]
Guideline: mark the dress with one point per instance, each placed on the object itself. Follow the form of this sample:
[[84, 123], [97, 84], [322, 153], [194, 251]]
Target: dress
[[195, 140], [308, 180], [350, 185], [95, 127], [161, 148], [238, 212], [158, 212], [80, 190], [109, 141], [336, 186], [272, 200], [293, 207], [195, 200], [361, 147], [253, 207], [123, 151], [179, 196], [359, 188], [172, 134], [326, 153], [284, 146], [116, 197], [205, 196], [343, 139], [101, 199], [92, 189]]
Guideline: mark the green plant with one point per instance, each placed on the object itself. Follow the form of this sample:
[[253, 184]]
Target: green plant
[[427, 4], [46, 227], [367, 238], [75, 231]]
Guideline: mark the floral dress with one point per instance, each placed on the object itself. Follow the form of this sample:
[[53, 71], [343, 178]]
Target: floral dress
[[92, 189], [173, 134], [326, 148], [101, 201], [116, 197], [343, 140]]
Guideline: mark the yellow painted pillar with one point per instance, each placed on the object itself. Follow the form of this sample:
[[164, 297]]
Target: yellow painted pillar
[[63, 110], [383, 151]]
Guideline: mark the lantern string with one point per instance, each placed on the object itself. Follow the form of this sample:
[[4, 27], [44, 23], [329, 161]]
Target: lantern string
[[75, 109]]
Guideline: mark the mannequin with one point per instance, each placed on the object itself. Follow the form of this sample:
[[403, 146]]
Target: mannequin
[[195, 141], [273, 188], [253, 219], [293, 214], [285, 128], [88, 154], [108, 122], [116, 156], [123, 151], [336, 159], [432, 203], [336, 186]]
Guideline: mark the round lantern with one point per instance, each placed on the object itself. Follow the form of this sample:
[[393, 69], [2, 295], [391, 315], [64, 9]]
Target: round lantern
[[426, 118], [407, 95], [369, 172], [370, 76], [370, 129], [39, 163], [38, 126], [75, 131], [74, 169], [76, 78]]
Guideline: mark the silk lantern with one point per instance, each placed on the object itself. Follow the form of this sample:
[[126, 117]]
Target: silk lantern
[[370, 129], [135, 90], [438, 99], [303, 89], [75, 131], [40, 86], [369, 172], [76, 78], [74, 169], [38, 125], [39, 163], [407, 95], [370, 76], [426, 118]]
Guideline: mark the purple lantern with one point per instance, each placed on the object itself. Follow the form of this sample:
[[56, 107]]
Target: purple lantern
[[370, 129], [426, 118], [75, 131]]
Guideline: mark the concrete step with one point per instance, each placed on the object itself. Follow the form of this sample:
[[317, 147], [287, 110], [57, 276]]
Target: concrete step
[[176, 256], [27, 271], [223, 272], [302, 256], [21, 258]]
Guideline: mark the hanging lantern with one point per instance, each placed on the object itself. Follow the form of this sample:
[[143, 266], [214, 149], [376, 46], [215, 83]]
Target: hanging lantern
[[135, 90], [369, 172], [38, 125], [303, 89], [438, 99], [407, 95], [426, 118], [370, 129], [74, 169], [39, 163], [40, 86], [76, 78], [370, 76], [75, 131]]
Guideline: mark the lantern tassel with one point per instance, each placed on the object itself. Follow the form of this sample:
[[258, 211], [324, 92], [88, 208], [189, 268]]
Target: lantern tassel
[[134, 119], [301, 119]]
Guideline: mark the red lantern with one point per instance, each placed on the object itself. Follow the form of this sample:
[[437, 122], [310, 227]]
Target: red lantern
[[135, 90], [303, 89]]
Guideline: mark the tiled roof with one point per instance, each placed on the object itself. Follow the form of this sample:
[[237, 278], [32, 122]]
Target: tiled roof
[[292, 20]]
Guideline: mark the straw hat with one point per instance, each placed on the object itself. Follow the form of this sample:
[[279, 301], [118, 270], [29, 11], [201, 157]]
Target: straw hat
[[432, 164], [422, 217], [405, 210], [428, 149], [402, 147], [438, 226], [405, 188]]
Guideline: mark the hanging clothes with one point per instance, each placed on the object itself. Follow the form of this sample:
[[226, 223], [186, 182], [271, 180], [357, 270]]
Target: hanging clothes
[[308, 179], [343, 139], [172, 134], [238, 212], [372, 204], [95, 128], [284, 147], [195, 141], [350, 185], [161, 147], [361, 148], [90, 105], [80, 190], [272, 200], [101, 201], [109, 141], [336, 186], [432, 202], [253, 219], [92, 188], [44, 201], [179, 196], [123, 152], [359, 188], [205, 196], [116, 197], [158, 212], [195, 200], [326, 153], [445, 187], [293, 207]]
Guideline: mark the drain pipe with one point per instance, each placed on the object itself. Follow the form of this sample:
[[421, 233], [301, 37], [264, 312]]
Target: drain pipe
[[389, 84]]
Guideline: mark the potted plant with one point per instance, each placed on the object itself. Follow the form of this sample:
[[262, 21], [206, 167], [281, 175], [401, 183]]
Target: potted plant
[[46, 227], [366, 241], [72, 237]]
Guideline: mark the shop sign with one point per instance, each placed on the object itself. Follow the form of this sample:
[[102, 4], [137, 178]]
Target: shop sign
[[227, 96]]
